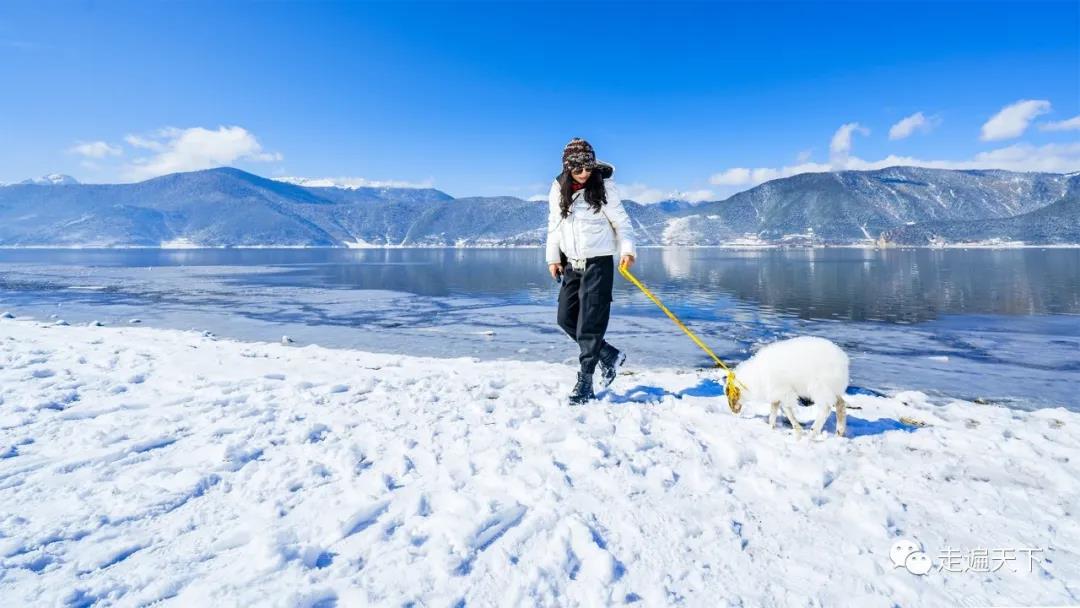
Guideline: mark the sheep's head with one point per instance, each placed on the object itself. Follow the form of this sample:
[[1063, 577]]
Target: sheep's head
[[731, 389]]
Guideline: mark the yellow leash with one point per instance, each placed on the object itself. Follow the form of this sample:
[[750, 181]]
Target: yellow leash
[[732, 388]]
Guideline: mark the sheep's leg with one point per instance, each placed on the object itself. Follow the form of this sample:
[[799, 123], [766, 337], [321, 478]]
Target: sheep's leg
[[791, 418], [772, 414], [824, 407], [841, 416]]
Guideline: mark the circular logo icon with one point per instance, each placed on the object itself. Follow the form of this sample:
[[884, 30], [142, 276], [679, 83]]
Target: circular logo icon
[[900, 551], [908, 554], [917, 563]]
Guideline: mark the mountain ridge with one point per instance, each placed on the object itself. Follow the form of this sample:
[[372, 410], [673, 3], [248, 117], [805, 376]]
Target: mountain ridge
[[229, 207]]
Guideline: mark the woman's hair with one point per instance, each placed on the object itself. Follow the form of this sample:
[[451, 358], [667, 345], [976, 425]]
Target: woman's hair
[[595, 193]]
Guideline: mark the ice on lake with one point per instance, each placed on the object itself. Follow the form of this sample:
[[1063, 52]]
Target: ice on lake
[[970, 325]]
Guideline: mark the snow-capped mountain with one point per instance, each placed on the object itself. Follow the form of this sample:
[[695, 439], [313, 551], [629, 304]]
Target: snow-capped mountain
[[230, 207], [1058, 222], [316, 182], [52, 179], [215, 207], [346, 183], [853, 206]]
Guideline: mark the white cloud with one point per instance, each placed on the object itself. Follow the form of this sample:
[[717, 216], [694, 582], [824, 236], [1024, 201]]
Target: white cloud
[[742, 176], [641, 193], [839, 151], [840, 146], [94, 149], [138, 141], [694, 196], [736, 176], [351, 183], [751, 177], [911, 124], [538, 198], [1050, 158], [193, 149], [1012, 120], [1072, 124]]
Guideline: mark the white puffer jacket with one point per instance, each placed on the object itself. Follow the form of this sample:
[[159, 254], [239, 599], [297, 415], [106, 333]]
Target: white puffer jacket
[[584, 233]]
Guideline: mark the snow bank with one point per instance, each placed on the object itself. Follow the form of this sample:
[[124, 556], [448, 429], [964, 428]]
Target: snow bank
[[140, 464]]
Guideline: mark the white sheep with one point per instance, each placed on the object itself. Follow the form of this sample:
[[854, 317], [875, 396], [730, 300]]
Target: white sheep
[[781, 372]]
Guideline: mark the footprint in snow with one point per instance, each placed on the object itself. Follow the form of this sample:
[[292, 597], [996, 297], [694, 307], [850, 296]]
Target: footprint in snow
[[364, 518], [317, 433], [318, 558], [488, 532]]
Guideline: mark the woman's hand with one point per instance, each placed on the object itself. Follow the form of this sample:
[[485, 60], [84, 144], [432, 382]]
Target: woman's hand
[[627, 260], [554, 270]]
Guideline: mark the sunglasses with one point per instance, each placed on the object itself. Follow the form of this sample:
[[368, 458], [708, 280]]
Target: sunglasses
[[581, 170]]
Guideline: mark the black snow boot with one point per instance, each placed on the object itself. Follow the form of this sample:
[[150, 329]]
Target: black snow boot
[[610, 360], [582, 390]]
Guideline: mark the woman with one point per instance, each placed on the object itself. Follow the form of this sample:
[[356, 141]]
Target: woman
[[587, 227]]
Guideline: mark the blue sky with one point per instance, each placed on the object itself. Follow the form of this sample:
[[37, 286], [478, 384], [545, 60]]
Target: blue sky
[[695, 100]]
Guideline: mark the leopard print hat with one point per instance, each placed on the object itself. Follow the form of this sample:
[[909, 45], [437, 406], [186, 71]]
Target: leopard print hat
[[578, 153]]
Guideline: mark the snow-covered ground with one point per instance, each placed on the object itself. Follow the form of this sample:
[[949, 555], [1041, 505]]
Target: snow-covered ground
[[138, 464], [1026, 361]]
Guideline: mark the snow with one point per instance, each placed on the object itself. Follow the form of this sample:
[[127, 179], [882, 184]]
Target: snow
[[139, 464], [346, 183], [678, 231], [181, 243], [52, 179], [749, 241], [360, 244]]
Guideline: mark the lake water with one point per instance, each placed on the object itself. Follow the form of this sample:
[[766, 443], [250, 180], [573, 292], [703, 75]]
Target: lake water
[[994, 324]]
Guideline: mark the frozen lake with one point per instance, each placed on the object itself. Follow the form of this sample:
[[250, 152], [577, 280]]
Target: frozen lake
[[999, 325]]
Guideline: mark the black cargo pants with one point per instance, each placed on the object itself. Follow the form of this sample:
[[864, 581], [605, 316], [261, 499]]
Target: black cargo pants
[[585, 306]]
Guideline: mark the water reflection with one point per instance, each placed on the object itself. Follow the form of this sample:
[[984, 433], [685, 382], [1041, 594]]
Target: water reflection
[[888, 285], [904, 286]]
